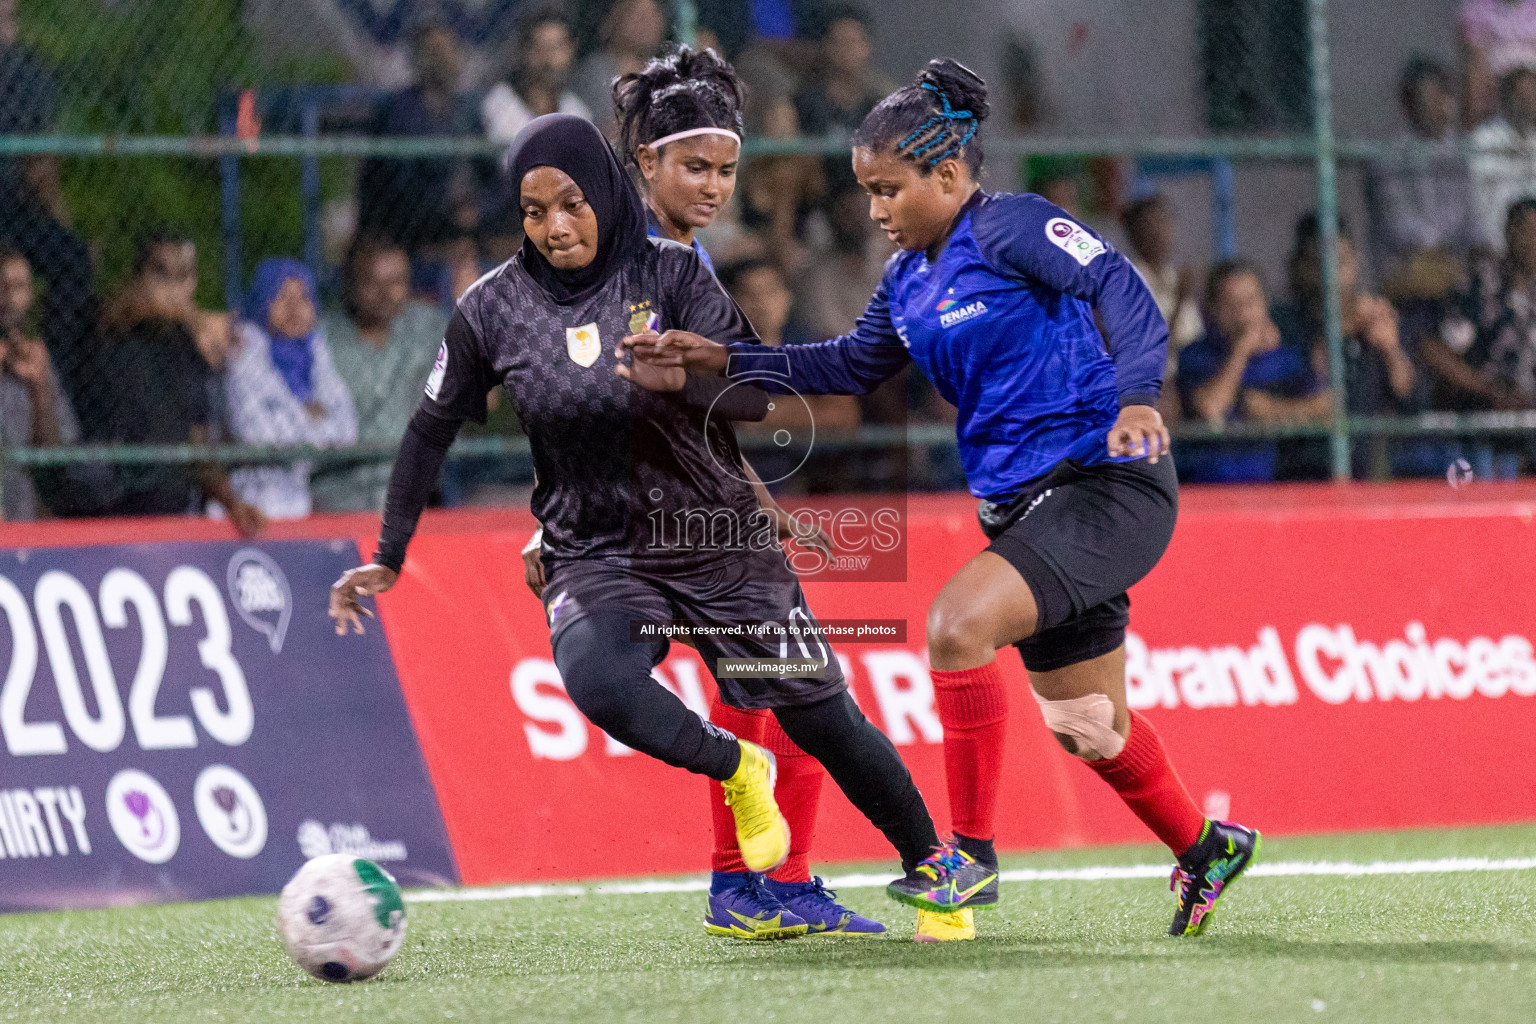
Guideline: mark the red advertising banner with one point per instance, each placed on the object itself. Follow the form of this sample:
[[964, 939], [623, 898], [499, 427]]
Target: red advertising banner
[[1316, 658]]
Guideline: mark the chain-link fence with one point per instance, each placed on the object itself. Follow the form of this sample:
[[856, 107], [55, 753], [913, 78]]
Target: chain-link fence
[[184, 188]]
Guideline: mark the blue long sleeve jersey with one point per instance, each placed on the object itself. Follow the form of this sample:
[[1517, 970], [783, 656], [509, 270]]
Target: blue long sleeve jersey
[[1002, 323]]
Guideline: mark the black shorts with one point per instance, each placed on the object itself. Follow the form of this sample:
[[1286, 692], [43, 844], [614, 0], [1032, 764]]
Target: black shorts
[[754, 589], [1081, 536]]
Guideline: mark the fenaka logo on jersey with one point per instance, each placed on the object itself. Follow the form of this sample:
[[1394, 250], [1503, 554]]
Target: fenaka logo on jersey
[[642, 318], [583, 345], [1074, 240], [440, 367], [962, 314]]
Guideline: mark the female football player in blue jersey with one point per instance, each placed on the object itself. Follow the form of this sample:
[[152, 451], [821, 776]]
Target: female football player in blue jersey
[[994, 298], [624, 475], [680, 129]]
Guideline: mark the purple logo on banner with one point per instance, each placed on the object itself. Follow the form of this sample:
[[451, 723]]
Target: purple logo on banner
[[180, 721]]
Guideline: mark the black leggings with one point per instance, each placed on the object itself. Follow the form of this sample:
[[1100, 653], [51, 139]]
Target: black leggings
[[608, 678], [866, 767]]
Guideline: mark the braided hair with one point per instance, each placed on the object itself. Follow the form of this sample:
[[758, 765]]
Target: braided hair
[[936, 118], [684, 90]]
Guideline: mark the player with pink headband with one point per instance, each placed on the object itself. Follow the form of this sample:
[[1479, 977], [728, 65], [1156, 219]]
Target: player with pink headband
[[680, 126]]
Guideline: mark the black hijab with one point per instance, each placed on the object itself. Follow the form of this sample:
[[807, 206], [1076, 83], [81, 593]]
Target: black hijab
[[575, 146]]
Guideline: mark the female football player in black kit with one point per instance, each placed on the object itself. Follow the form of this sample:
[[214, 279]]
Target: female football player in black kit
[[623, 473]]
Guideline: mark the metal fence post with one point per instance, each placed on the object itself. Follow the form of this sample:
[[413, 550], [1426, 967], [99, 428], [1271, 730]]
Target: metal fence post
[[309, 187], [1224, 189], [229, 209], [686, 22], [1328, 229]]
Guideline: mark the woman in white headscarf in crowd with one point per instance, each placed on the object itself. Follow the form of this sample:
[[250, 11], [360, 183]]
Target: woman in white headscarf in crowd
[[282, 387]]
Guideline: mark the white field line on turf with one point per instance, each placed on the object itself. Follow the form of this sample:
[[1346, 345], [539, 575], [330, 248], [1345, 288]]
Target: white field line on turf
[[1277, 869]]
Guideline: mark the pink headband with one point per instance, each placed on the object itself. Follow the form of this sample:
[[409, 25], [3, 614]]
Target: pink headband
[[691, 132]]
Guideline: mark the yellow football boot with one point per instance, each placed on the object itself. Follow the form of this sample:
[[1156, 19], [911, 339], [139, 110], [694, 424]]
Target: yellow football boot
[[761, 831], [954, 926]]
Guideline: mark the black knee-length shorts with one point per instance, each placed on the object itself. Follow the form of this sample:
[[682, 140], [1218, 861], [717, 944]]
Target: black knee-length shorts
[[755, 590], [1081, 536]]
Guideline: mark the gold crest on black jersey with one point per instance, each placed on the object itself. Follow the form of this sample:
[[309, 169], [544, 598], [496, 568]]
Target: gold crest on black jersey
[[582, 344]]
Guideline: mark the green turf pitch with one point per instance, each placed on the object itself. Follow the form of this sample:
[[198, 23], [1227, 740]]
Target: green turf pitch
[[1399, 949]]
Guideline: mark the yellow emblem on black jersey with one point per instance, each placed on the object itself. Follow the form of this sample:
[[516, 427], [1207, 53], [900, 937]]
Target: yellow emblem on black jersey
[[583, 344]]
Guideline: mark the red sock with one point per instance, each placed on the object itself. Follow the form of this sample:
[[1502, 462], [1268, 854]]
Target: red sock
[[749, 726], [1146, 781], [799, 794], [973, 708]]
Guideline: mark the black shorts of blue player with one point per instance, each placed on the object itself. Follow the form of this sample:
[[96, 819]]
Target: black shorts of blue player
[[1081, 536]]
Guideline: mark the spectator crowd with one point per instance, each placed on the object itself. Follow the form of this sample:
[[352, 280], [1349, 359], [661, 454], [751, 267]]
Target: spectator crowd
[[338, 360]]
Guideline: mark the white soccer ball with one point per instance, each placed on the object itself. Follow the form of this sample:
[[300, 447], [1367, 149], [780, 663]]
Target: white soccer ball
[[341, 917]]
